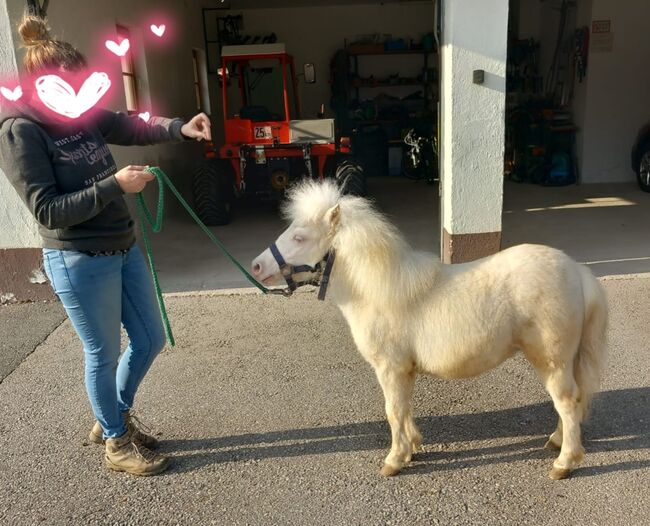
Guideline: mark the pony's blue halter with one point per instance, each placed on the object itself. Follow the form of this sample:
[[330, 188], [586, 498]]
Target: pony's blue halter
[[322, 269]]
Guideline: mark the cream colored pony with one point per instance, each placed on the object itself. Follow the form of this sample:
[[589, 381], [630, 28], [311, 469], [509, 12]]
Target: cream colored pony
[[410, 314]]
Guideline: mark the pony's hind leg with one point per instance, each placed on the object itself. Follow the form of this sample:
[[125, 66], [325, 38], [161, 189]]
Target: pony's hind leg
[[397, 385], [555, 440], [564, 391], [413, 433]]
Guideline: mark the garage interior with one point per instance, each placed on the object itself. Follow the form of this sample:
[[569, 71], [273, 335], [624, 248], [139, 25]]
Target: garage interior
[[576, 101], [392, 87], [376, 75], [592, 209]]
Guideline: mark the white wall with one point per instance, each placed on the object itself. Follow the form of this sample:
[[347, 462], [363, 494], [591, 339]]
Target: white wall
[[17, 228], [618, 92], [473, 116]]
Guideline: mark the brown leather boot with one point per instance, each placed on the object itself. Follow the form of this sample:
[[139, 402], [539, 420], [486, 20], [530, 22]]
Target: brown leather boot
[[139, 432], [123, 454]]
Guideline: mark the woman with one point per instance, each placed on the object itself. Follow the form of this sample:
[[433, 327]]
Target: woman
[[66, 175]]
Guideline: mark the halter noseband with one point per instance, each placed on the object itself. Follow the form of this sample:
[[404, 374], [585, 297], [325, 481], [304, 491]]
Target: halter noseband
[[322, 269]]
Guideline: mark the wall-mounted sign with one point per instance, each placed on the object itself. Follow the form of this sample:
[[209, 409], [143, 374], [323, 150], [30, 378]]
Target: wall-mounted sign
[[601, 26], [602, 38]]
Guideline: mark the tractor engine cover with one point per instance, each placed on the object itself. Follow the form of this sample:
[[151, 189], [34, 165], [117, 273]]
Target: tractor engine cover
[[318, 131]]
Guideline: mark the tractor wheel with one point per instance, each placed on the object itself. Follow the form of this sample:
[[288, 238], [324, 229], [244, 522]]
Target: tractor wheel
[[213, 192], [348, 174]]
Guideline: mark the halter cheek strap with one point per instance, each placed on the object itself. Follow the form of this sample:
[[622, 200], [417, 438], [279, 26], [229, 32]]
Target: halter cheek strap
[[285, 269], [288, 271], [325, 278]]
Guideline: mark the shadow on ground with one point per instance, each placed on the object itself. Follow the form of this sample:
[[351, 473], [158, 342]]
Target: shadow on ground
[[619, 421]]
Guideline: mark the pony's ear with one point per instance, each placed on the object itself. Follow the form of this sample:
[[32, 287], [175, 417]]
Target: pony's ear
[[333, 218]]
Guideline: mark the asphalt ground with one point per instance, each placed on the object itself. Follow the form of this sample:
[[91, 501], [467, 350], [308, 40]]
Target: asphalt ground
[[272, 417], [23, 327]]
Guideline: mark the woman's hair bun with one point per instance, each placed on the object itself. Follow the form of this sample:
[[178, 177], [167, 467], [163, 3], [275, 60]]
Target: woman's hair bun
[[34, 30]]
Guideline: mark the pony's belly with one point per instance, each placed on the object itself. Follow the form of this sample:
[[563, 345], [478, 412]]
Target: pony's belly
[[463, 362]]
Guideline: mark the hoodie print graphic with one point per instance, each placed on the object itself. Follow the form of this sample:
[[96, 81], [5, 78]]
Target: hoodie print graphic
[[76, 150]]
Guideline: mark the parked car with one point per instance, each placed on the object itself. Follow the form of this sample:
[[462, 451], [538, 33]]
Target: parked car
[[641, 158]]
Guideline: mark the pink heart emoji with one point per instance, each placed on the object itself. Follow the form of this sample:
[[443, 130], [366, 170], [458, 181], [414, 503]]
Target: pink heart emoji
[[120, 49], [145, 116], [158, 30], [12, 95], [60, 97]]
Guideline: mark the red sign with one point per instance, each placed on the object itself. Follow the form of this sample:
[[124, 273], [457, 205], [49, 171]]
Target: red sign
[[601, 26]]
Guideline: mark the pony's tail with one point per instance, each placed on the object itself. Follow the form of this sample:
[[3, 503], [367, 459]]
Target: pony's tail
[[592, 352]]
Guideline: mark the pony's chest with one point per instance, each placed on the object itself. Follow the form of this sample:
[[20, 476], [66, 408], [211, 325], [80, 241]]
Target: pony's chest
[[378, 335]]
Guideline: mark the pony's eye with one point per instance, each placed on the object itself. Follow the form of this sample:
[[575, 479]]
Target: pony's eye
[[298, 239]]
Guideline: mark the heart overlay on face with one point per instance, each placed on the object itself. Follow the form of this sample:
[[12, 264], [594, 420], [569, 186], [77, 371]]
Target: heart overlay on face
[[145, 116], [158, 30], [11, 95], [120, 49], [56, 94]]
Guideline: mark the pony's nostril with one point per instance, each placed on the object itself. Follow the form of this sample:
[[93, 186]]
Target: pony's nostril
[[257, 268]]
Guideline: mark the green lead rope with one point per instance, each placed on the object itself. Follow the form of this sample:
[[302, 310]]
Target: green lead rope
[[145, 216]]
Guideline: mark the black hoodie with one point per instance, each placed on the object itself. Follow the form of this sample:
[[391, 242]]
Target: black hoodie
[[65, 173]]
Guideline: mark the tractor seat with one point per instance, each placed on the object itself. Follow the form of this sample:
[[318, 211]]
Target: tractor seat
[[256, 113]]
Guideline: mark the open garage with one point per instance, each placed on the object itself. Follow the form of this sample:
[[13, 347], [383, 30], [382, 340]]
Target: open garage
[[567, 117]]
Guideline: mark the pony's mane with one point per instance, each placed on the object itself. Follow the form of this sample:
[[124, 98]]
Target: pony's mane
[[376, 255], [308, 201]]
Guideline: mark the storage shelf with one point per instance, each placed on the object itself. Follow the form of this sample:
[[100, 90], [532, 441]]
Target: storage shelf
[[373, 81], [359, 120], [387, 83], [393, 52]]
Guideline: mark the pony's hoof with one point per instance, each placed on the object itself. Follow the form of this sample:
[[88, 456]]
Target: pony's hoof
[[388, 471], [559, 473], [552, 445]]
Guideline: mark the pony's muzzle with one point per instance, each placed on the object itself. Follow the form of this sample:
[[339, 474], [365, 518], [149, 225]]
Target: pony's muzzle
[[265, 269]]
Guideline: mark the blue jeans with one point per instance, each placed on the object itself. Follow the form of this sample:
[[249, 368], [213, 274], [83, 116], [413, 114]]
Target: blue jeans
[[100, 294]]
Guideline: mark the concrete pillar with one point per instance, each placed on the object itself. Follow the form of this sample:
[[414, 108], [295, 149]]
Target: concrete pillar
[[21, 277], [473, 61]]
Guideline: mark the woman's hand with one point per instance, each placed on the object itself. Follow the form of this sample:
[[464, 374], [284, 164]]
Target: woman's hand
[[198, 128], [133, 179]]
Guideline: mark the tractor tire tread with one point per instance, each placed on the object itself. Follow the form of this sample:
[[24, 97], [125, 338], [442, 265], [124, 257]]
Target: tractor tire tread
[[212, 187]]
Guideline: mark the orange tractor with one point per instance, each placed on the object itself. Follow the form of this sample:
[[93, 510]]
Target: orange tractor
[[267, 144]]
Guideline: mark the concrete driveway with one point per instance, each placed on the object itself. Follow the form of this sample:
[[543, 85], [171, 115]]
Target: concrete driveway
[[272, 417]]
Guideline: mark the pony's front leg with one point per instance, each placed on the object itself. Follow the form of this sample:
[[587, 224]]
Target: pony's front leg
[[397, 385]]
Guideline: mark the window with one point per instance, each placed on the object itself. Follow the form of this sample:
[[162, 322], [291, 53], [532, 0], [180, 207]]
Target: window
[[199, 68], [128, 73], [255, 89]]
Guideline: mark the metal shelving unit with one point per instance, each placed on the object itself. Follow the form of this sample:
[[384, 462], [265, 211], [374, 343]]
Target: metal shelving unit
[[387, 83]]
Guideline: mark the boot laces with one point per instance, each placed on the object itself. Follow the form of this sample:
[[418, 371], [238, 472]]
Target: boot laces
[[137, 424], [146, 454]]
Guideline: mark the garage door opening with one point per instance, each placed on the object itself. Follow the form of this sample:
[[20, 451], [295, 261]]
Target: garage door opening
[[375, 68], [576, 99]]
